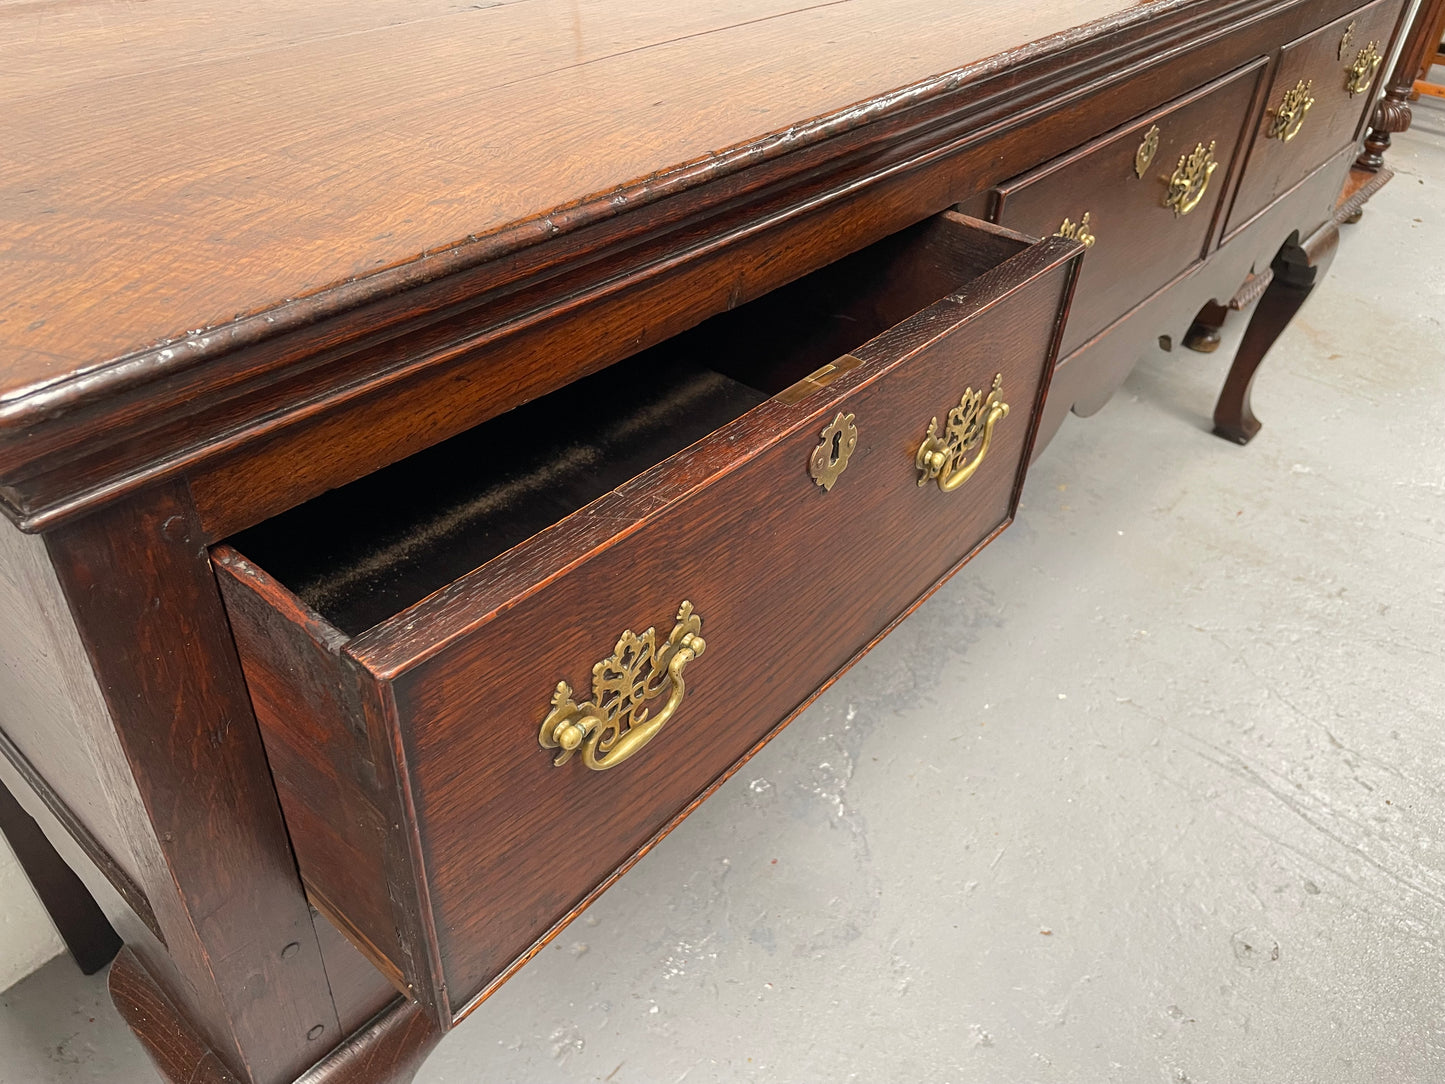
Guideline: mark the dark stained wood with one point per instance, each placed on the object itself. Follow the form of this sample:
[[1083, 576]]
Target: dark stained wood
[[1434, 33], [387, 1047], [144, 600], [358, 988], [1392, 113], [179, 1054], [1360, 186], [293, 291], [462, 503], [430, 129], [1086, 380], [416, 357], [81, 923], [79, 835], [1203, 334], [1139, 242], [498, 871], [55, 728], [1335, 119], [335, 782], [1296, 270]]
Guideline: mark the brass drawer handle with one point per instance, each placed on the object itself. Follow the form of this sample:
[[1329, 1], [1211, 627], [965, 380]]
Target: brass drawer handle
[[1289, 118], [614, 725], [1191, 179], [1077, 231], [969, 424], [1361, 72]]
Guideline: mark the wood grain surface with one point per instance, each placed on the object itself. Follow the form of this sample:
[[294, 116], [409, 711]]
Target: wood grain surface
[[792, 584], [385, 1047], [223, 882], [265, 411], [55, 728], [169, 167], [1088, 377], [1139, 242], [1334, 121], [1392, 112], [734, 523]]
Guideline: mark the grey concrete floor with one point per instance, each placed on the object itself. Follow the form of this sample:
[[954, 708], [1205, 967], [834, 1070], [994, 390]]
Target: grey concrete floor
[[1151, 792]]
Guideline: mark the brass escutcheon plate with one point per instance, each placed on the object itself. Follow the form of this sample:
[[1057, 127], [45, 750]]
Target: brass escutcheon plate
[[1148, 148], [830, 458]]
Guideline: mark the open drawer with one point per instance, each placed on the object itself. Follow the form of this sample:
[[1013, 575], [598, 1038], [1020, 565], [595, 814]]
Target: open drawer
[[473, 726]]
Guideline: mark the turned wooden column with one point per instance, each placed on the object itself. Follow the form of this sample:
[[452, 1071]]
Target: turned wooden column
[[1392, 113], [1295, 272]]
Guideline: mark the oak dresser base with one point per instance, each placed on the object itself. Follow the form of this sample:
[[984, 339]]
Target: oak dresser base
[[129, 734]]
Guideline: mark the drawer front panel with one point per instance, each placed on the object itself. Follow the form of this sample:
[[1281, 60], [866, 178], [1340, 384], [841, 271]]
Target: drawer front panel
[[790, 581], [1115, 191], [1322, 89]]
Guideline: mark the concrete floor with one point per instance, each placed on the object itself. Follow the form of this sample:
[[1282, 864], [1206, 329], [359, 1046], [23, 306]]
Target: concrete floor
[[1150, 793]]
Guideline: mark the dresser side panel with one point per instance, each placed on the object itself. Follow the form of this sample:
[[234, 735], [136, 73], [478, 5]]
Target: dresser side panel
[[54, 714], [333, 793]]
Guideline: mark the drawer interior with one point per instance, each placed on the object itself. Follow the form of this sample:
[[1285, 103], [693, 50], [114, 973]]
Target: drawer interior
[[366, 551]]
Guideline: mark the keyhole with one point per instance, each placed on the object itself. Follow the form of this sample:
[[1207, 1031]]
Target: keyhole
[[837, 447]]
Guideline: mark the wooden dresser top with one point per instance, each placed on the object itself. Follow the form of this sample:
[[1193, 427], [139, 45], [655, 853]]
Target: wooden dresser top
[[168, 167]]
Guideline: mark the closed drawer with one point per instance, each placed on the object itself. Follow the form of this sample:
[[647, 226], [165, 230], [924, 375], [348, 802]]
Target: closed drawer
[[1143, 197], [404, 637], [1317, 102]]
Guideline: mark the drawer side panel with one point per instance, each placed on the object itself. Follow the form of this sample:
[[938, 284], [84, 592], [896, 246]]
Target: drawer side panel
[[334, 794]]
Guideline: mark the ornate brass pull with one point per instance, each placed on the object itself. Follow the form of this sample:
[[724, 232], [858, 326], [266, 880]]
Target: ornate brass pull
[[970, 424], [1077, 231], [1191, 179], [614, 725], [1286, 121], [1361, 73]]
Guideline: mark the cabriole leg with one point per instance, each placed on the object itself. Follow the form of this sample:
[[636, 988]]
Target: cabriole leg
[[1296, 270]]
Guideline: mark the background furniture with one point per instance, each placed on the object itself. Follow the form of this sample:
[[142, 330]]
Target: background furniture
[[347, 420], [1434, 32], [1392, 113]]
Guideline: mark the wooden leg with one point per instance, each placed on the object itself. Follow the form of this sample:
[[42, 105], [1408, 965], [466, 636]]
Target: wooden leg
[[82, 925], [1392, 113], [1296, 270], [1203, 334], [240, 955], [387, 1050]]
